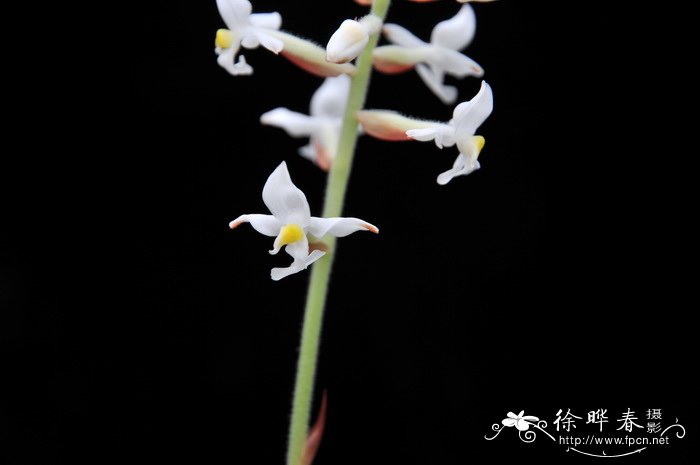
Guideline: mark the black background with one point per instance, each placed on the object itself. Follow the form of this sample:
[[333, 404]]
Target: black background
[[137, 328]]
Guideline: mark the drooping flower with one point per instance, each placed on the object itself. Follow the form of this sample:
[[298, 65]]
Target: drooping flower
[[348, 41], [291, 221], [460, 130], [249, 30], [520, 421], [322, 125], [432, 61]]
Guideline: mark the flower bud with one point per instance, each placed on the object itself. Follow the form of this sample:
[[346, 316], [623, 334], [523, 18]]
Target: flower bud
[[347, 42]]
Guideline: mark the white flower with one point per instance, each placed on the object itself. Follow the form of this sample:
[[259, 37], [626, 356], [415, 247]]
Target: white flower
[[350, 39], [522, 423], [291, 221], [244, 29], [466, 119], [435, 59], [323, 124], [251, 30], [460, 130]]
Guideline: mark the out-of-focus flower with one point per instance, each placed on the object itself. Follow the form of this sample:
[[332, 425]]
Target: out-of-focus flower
[[435, 59], [291, 221], [249, 30], [348, 41], [244, 29], [321, 126], [460, 130]]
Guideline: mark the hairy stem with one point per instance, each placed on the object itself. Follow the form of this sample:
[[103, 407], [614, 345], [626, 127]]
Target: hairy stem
[[318, 286]]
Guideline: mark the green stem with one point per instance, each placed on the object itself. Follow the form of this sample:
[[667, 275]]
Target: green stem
[[321, 270]]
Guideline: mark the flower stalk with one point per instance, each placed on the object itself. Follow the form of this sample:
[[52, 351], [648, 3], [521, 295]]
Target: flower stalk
[[318, 286]]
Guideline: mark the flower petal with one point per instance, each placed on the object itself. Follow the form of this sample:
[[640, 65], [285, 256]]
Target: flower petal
[[266, 20], [308, 152], [530, 418], [302, 259], [298, 250], [455, 64], [264, 224], [347, 42], [278, 273], [457, 32], [512, 415], [286, 202], [309, 56], [271, 43], [399, 35], [433, 79], [329, 100], [470, 147], [442, 134], [461, 167], [250, 41], [339, 227], [390, 125], [226, 60], [468, 116], [296, 124], [235, 13], [509, 422]]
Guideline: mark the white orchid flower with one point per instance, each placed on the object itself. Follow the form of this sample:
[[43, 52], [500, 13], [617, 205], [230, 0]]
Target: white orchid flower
[[291, 221], [433, 60], [244, 29], [250, 30], [460, 130], [322, 126], [520, 421]]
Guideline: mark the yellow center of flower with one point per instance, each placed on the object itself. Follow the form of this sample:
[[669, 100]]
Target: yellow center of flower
[[224, 38], [289, 234], [479, 142]]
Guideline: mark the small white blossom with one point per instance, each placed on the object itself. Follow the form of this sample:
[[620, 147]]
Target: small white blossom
[[322, 126], [249, 30], [291, 221], [433, 60], [244, 29], [460, 130], [350, 39]]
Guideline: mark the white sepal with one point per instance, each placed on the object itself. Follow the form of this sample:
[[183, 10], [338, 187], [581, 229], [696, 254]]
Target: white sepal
[[285, 200], [339, 227]]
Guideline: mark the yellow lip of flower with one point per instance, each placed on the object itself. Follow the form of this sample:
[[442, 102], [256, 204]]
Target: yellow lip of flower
[[224, 38], [289, 234], [479, 142]]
